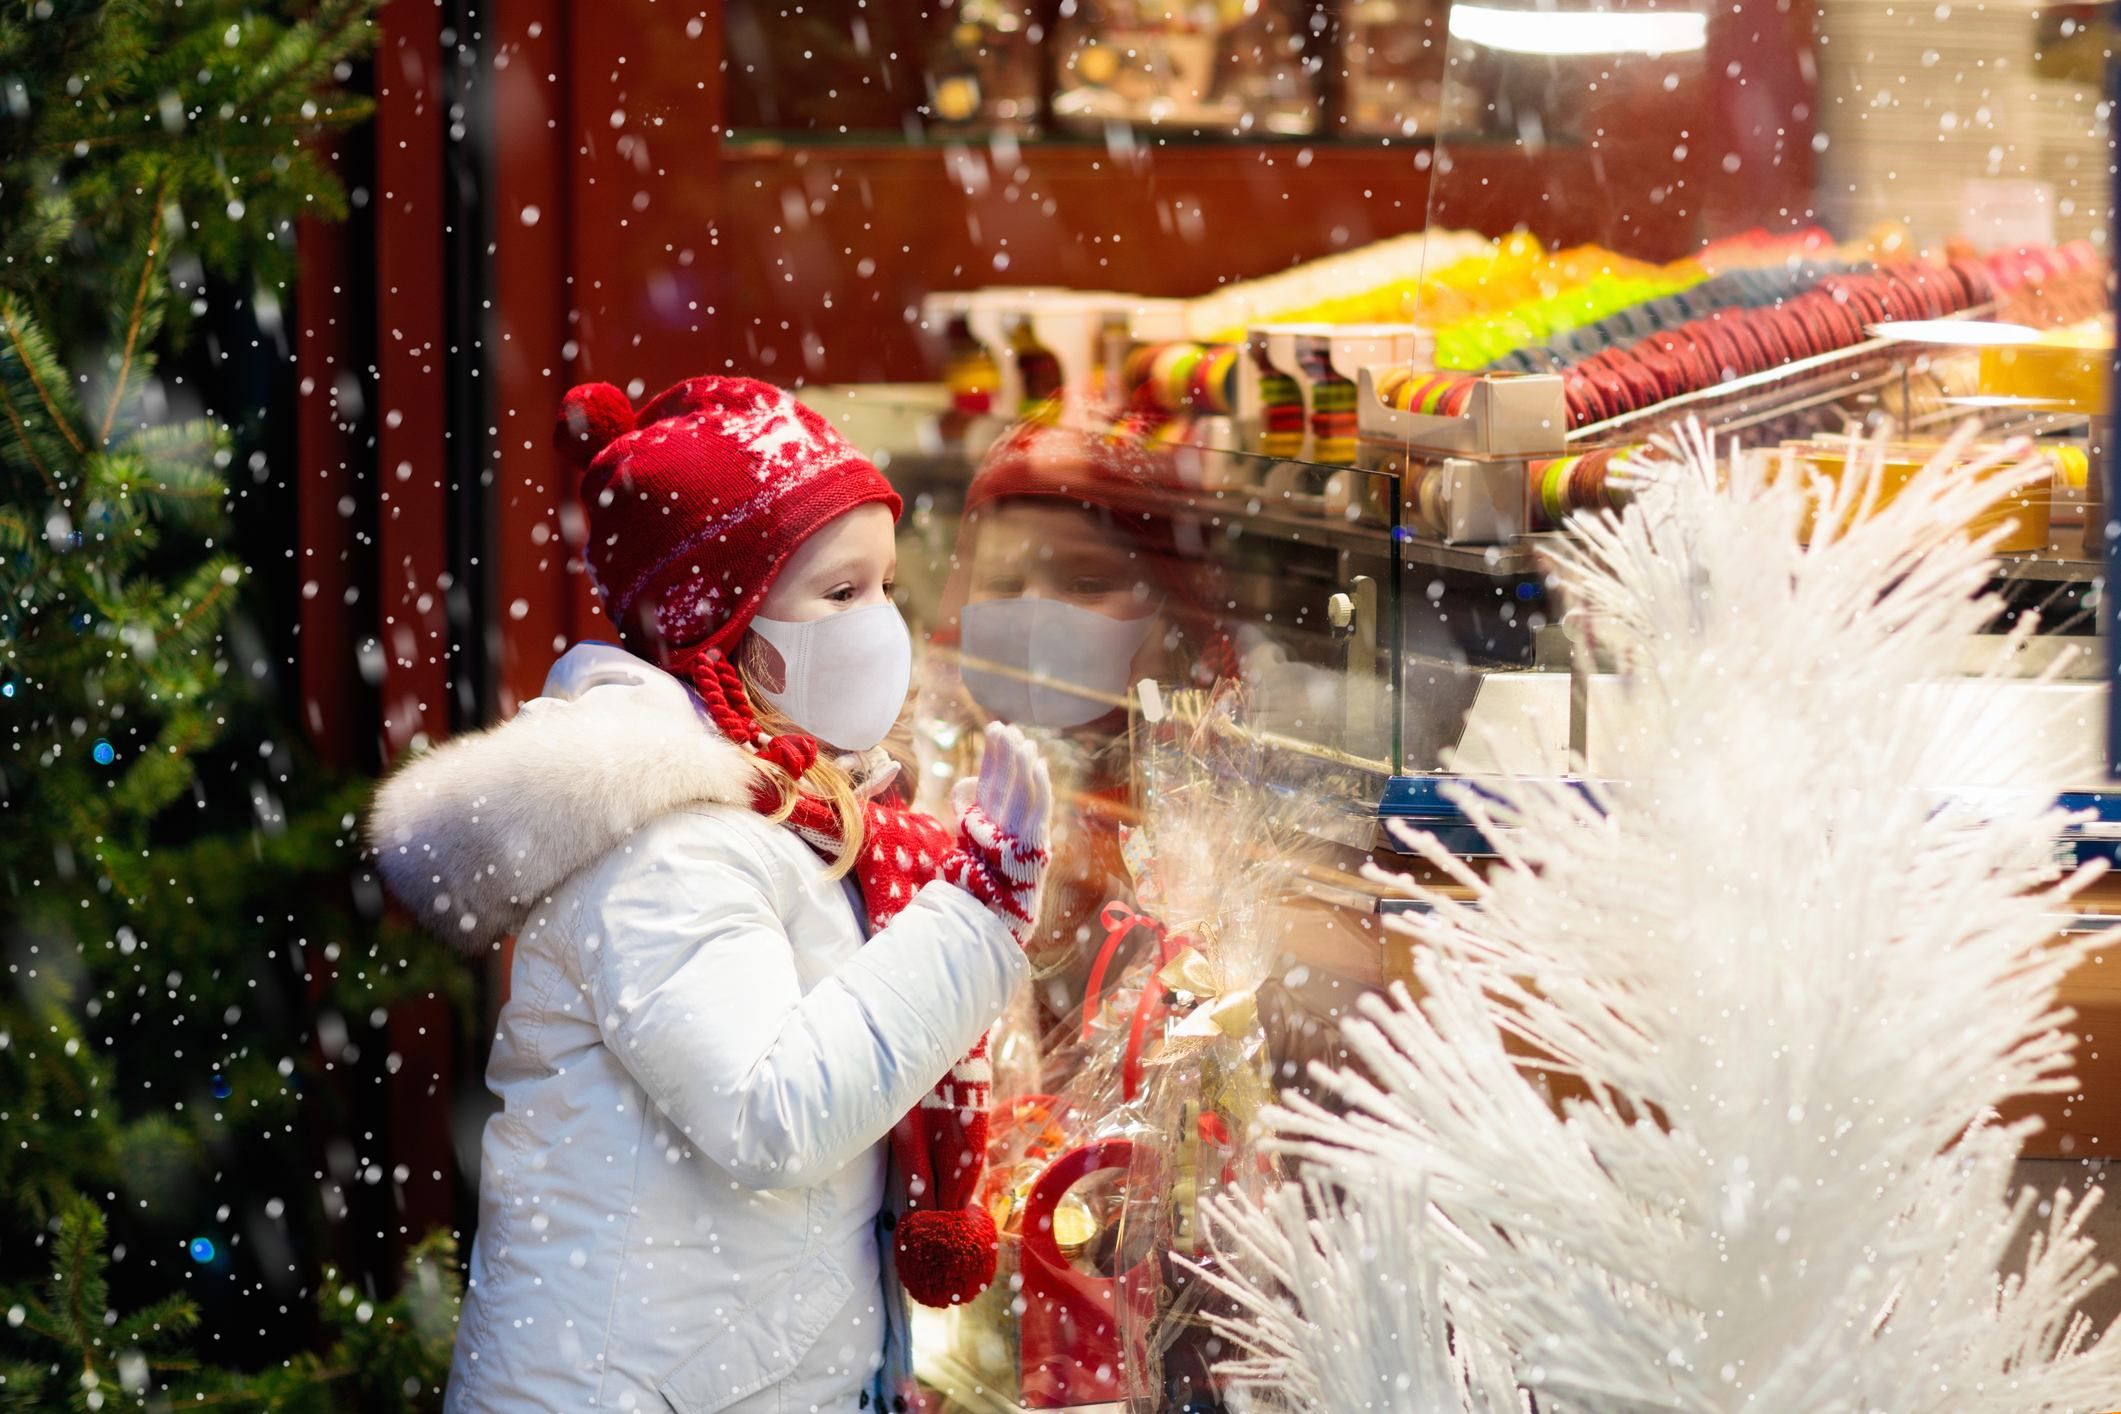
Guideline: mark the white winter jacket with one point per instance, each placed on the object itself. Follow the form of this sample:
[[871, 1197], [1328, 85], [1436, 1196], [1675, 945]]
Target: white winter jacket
[[698, 1063]]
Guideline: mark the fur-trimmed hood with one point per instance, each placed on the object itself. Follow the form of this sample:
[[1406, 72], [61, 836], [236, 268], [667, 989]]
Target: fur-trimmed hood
[[472, 835]]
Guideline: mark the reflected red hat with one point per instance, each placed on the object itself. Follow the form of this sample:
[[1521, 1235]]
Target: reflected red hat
[[696, 502], [1063, 464], [1135, 488]]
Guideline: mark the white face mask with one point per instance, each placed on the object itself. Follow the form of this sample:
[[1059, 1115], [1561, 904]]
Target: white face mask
[[1080, 658], [842, 678]]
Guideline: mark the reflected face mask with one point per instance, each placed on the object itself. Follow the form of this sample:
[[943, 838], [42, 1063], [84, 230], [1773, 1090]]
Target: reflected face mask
[[842, 678], [1045, 663]]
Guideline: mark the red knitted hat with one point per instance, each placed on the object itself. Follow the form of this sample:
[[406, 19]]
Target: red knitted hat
[[696, 502]]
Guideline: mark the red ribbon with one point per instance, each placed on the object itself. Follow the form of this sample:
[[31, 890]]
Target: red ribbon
[[1120, 921]]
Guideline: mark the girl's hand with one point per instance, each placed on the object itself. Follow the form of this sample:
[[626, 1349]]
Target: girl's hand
[[1002, 826], [1013, 787]]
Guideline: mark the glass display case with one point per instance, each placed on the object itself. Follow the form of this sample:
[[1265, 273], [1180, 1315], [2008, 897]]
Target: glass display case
[[1341, 487]]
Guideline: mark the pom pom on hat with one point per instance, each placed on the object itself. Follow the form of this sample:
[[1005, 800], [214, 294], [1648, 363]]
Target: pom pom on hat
[[592, 417], [946, 1256]]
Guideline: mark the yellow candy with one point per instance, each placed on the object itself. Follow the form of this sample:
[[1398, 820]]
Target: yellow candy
[[1074, 1225]]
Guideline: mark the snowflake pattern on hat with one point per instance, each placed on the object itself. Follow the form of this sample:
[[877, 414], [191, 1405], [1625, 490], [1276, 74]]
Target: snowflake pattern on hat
[[695, 507]]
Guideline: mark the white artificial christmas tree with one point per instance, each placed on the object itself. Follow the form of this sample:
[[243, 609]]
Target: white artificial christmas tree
[[1789, 978]]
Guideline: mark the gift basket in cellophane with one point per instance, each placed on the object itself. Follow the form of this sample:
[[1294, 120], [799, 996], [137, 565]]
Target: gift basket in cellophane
[[1112, 1128]]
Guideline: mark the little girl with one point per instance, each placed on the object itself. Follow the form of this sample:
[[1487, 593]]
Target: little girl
[[740, 964]]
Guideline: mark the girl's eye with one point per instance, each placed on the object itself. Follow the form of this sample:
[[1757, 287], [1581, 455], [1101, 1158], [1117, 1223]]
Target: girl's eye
[[1004, 588], [842, 595], [1089, 587]]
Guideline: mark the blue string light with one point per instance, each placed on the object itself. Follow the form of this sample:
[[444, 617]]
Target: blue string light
[[202, 1250]]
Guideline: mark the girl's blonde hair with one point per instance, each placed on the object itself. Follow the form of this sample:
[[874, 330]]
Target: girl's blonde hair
[[827, 779]]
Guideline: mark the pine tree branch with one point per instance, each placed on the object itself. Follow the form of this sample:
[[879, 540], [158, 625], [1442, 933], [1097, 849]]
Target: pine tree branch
[[172, 492], [139, 309], [205, 604], [339, 116], [77, 1316], [29, 448], [44, 394]]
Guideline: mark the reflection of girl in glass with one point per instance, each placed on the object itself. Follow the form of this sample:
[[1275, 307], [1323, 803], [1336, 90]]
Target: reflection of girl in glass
[[1073, 580]]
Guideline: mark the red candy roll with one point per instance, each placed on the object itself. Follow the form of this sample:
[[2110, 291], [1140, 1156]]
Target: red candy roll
[[1751, 325], [1752, 354], [1842, 291], [1827, 323], [1867, 297], [1847, 325], [1805, 328], [1572, 402], [1892, 293], [1929, 284], [1973, 283], [1697, 367], [1610, 368], [1664, 341], [1684, 343], [1816, 328], [1646, 362], [1670, 373], [1585, 407], [1731, 360], [1835, 329], [1644, 388], [1454, 400], [1784, 332], [1901, 301], [1609, 390], [1896, 286]]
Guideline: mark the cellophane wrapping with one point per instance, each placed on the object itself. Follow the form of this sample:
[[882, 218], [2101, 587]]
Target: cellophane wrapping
[[1222, 846], [1145, 1073]]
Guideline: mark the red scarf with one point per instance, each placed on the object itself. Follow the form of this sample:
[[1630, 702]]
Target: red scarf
[[946, 1241]]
